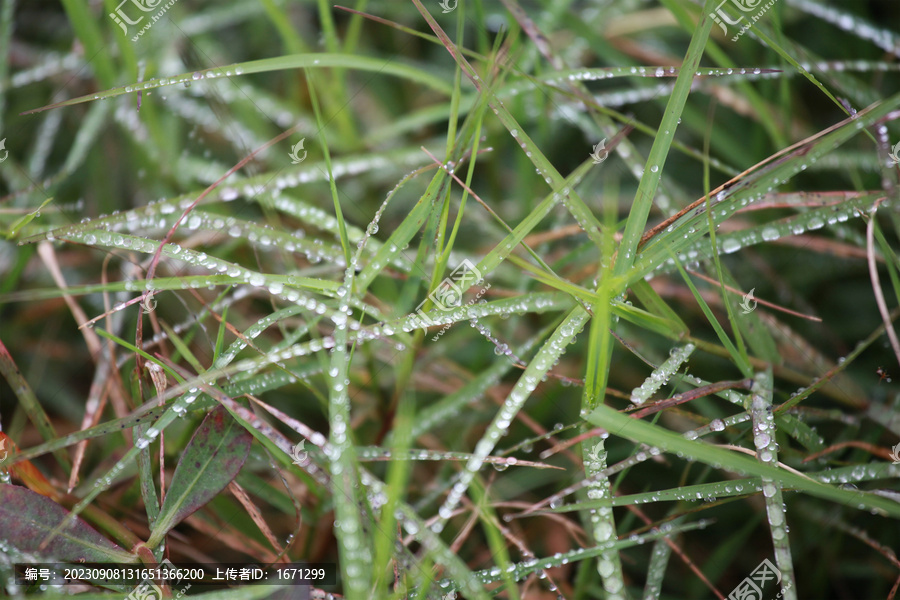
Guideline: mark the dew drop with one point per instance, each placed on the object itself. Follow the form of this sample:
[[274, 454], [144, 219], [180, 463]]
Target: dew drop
[[730, 245], [770, 233]]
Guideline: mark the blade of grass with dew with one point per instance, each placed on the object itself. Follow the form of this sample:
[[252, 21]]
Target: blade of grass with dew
[[147, 484], [266, 65], [398, 473], [107, 428], [661, 375], [382, 165], [609, 563], [764, 432], [160, 284], [711, 229], [496, 541], [643, 201], [740, 359], [599, 358], [539, 302], [476, 124], [454, 404], [355, 550], [571, 200], [25, 220], [773, 171], [640, 431], [29, 403], [686, 493], [659, 560], [377, 453], [532, 566], [810, 220], [536, 369], [748, 92], [431, 541], [237, 274]]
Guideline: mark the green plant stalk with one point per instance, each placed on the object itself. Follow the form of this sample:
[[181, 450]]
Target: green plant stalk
[[765, 431], [398, 470], [599, 359], [336, 92], [495, 538], [89, 34]]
